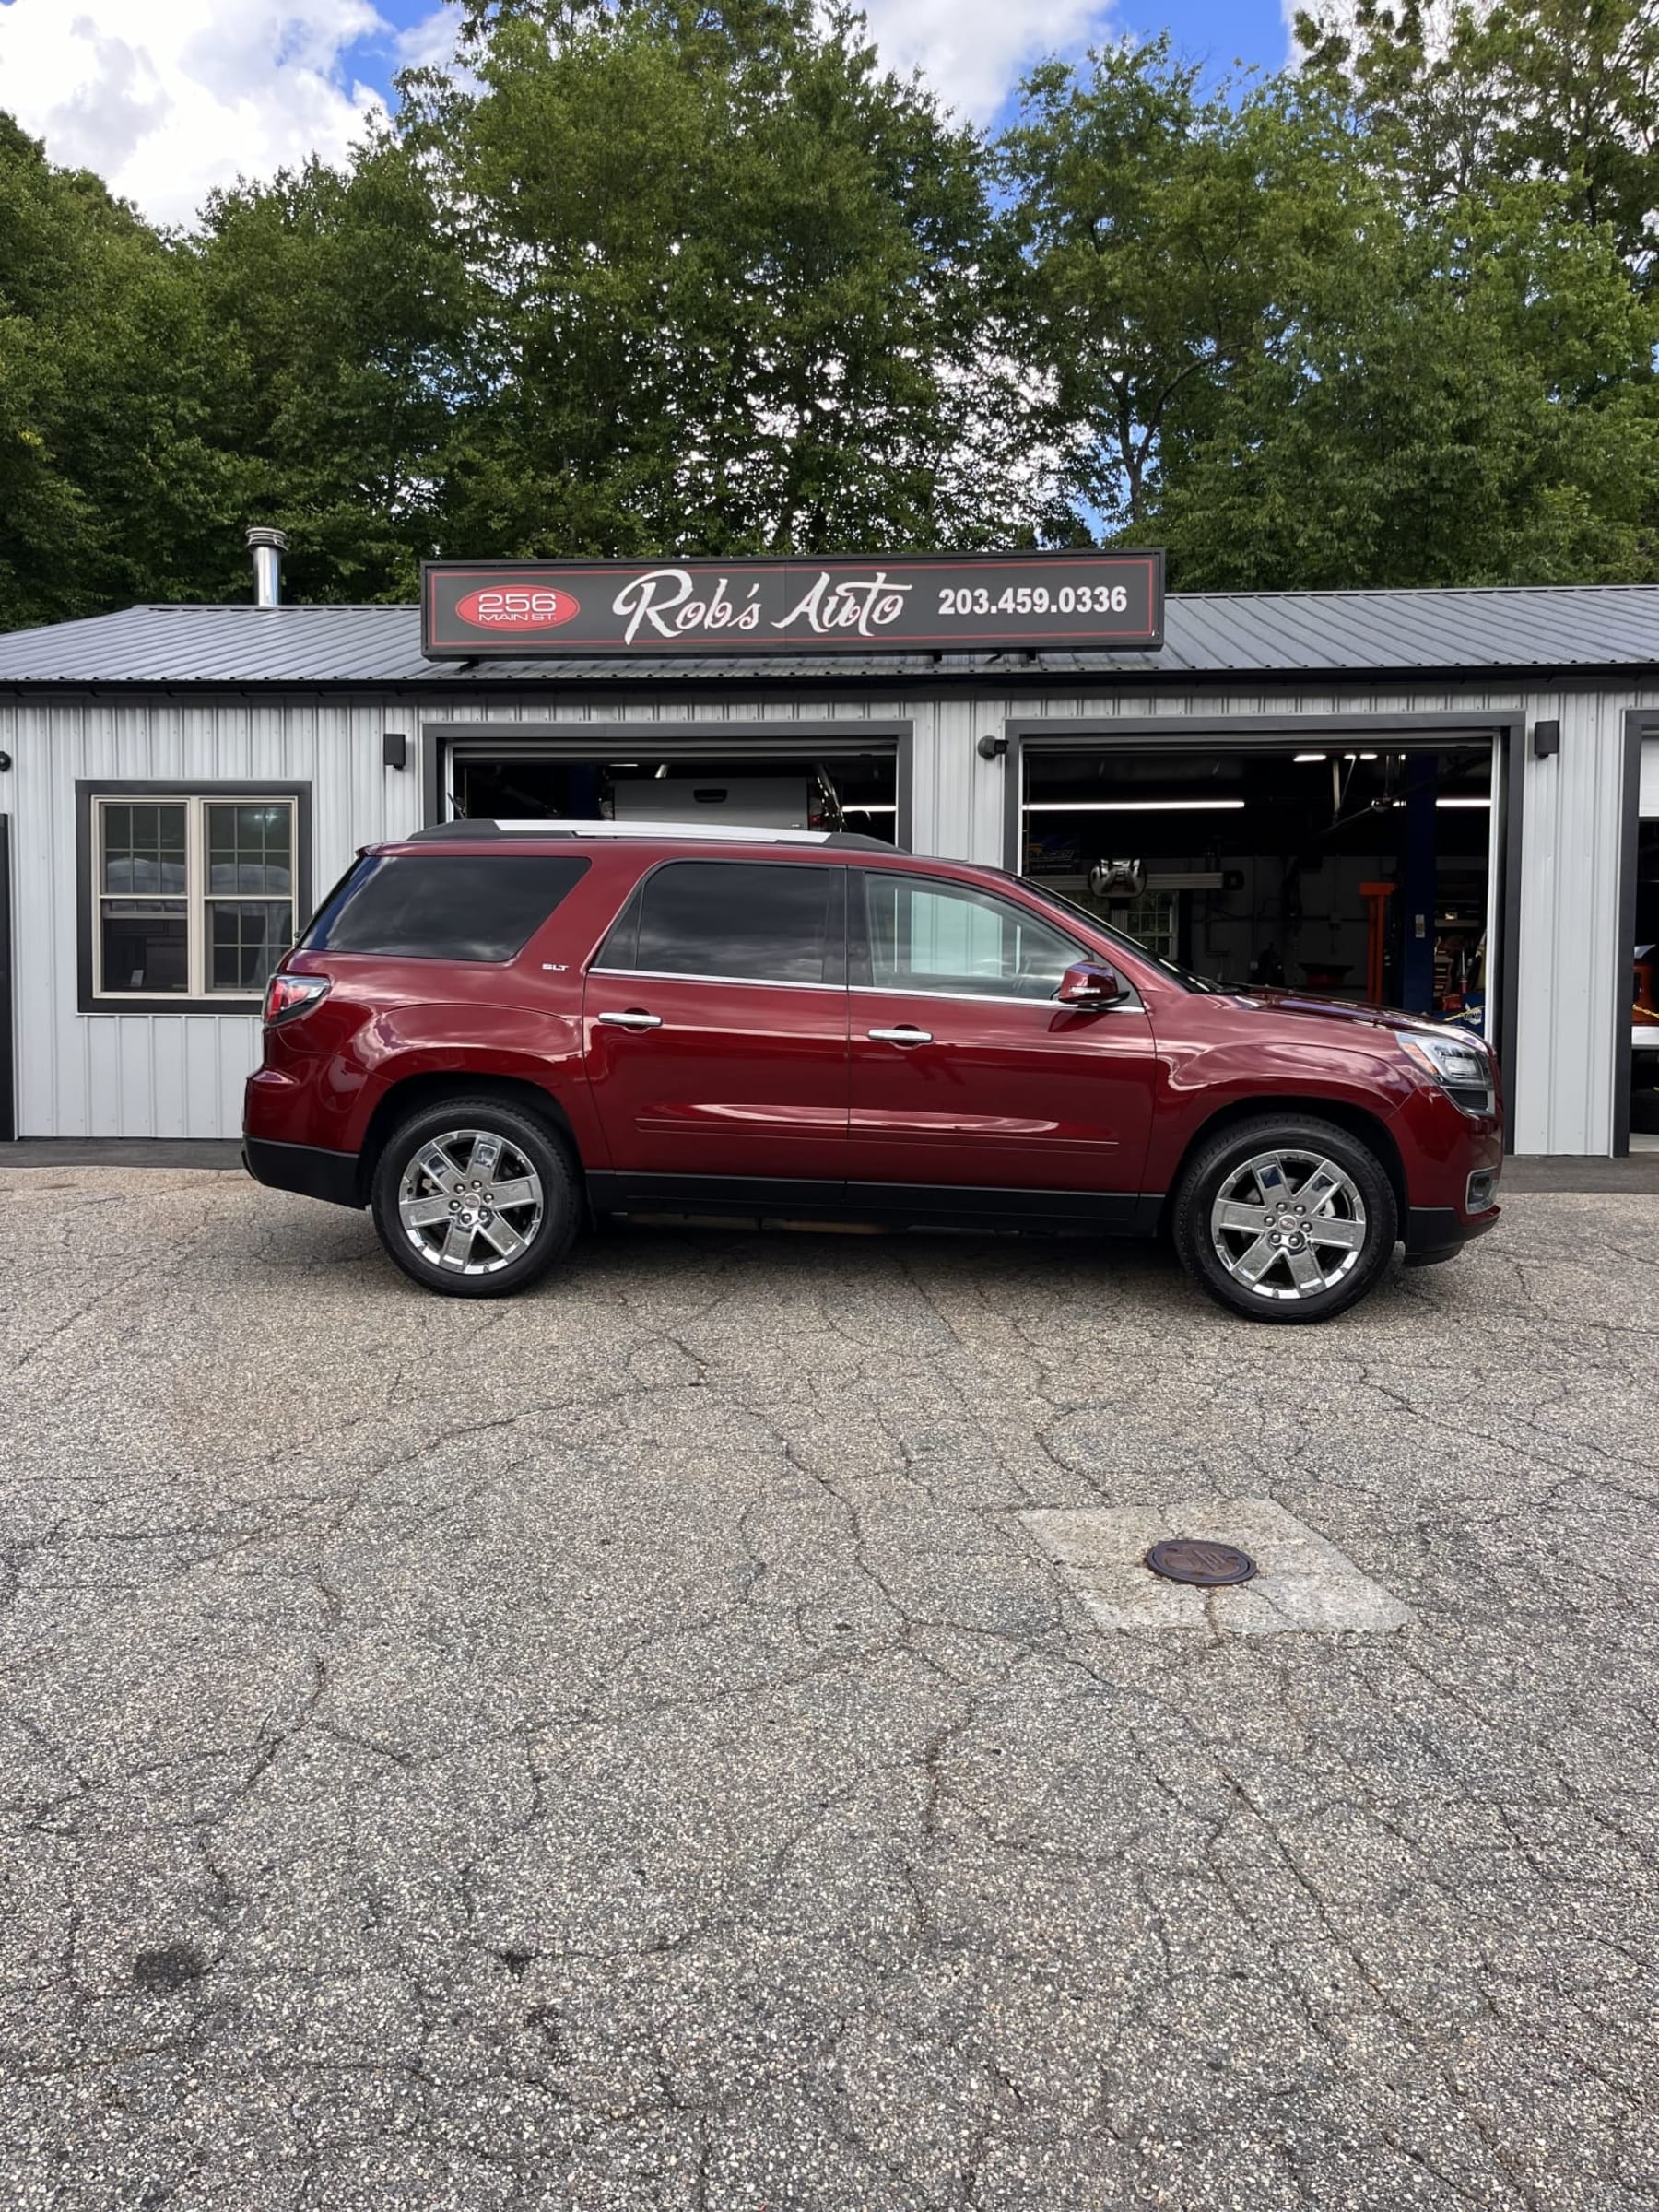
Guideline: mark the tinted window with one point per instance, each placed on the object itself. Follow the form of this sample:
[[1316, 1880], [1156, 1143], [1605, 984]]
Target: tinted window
[[750, 920], [444, 906], [944, 936]]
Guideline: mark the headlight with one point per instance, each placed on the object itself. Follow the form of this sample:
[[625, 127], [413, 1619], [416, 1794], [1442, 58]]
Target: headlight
[[1459, 1065]]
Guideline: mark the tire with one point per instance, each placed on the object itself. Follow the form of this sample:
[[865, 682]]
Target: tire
[[434, 1228], [1344, 1234]]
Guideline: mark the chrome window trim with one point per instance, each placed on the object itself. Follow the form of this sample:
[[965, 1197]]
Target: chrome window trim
[[1134, 1003], [681, 975]]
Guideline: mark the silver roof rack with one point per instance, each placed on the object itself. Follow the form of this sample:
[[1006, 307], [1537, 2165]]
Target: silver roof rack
[[714, 833], [732, 833]]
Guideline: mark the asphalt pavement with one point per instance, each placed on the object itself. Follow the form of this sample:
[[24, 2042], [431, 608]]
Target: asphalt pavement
[[654, 1745]]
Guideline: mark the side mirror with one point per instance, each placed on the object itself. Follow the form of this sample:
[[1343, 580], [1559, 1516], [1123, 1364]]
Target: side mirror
[[1090, 983]]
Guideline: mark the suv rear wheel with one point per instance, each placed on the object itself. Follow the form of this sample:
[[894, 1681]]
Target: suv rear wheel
[[1284, 1219], [475, 1199]]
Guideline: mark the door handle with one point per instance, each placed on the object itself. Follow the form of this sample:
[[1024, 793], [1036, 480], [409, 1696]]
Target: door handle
[[633, 1019], [909, 1034]]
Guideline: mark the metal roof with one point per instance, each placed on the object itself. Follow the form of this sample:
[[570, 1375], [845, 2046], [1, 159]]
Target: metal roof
[[1601, 627]]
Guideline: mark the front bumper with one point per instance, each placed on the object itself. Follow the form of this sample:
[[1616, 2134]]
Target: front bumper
[[307, 1169], [1439, 1232]]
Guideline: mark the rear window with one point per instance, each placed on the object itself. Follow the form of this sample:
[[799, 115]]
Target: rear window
[[433, 906]]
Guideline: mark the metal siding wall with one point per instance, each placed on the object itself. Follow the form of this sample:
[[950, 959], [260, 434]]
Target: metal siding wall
[[1570, 954], [180, 1075], [167, 1075]]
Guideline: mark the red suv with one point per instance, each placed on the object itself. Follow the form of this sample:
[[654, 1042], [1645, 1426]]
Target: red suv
[[493, 1030]]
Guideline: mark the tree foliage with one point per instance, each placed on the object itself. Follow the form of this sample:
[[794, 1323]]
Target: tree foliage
[[1455, 102], [1158, 234], [116, 480], [1405, 331], [728, 276], [649, 276]]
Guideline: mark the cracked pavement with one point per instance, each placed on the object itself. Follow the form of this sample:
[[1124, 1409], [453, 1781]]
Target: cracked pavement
[[619, 1750]]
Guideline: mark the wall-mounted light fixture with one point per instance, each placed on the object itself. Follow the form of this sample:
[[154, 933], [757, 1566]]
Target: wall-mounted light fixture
[[1546, 739], [394, 749], [991, 748]]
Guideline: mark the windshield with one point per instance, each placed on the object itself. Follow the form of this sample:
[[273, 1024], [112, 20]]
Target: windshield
[[1184, 976]]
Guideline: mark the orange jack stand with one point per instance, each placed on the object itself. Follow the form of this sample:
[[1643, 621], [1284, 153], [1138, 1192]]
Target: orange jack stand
[[1376, 896]]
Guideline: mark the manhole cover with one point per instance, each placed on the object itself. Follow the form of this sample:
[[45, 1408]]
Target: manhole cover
[[1197, 1559]]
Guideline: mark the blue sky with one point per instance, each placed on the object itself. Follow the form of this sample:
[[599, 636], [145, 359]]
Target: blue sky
[[1217, 31], [167, 99]]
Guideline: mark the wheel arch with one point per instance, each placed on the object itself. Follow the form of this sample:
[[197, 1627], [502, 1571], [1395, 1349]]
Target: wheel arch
[[1369, 1129], [412, 1093]]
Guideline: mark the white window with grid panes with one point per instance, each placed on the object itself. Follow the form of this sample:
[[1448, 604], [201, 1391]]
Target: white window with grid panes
[[1150, 920], [192, 897]]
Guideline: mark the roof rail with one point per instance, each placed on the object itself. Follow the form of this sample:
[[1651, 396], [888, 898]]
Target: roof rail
[[702, 832]]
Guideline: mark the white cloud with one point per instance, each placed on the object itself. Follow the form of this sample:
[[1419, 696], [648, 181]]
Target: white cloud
[[430, 43], [974, 51], [165, 98]]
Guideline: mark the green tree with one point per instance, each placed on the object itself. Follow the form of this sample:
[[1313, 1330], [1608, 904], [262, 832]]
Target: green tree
[[729, 283], [347, 312], [1320, 335], [1454, 100], [116, 481], [1154, 232], [1465, 401]]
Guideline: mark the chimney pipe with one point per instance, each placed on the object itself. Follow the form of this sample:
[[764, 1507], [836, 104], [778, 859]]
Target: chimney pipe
[[268, 548]]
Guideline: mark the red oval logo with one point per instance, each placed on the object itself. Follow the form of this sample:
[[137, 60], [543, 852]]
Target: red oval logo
[[518, 607]]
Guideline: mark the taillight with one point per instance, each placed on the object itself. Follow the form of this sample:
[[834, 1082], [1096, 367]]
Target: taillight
[[290, 995]]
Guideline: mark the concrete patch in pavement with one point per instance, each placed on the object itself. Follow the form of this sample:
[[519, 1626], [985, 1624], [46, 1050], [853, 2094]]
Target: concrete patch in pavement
[[1301, 1580]]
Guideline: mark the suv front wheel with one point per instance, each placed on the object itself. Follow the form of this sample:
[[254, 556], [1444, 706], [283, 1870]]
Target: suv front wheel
[[1284, 1219], [475, 1199]]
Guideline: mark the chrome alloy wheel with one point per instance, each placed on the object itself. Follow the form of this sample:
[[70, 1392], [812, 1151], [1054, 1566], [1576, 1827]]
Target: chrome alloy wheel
[[1288, 1224], [470, 1201]]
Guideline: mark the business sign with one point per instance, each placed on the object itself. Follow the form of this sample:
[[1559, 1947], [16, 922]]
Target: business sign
[[909, 603]]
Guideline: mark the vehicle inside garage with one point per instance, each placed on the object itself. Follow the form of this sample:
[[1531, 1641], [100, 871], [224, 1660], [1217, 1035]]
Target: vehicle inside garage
[[1361, 871], [793, 789]]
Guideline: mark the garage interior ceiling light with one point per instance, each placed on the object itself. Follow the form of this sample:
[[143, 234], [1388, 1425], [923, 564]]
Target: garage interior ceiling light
[[1133, 805], [1302, 759], [1482, 802]]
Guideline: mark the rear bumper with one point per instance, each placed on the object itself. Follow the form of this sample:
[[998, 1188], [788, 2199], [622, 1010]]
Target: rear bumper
[[1439, 1232], [307, 1169]]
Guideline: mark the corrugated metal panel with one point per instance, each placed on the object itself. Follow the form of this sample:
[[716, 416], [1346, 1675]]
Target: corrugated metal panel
[[181, 1075], [165, 1075], [1569, 956], [1592, 626]]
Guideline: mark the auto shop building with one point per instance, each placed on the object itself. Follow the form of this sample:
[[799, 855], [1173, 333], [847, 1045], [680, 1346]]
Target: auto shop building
[[1447, 798]]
